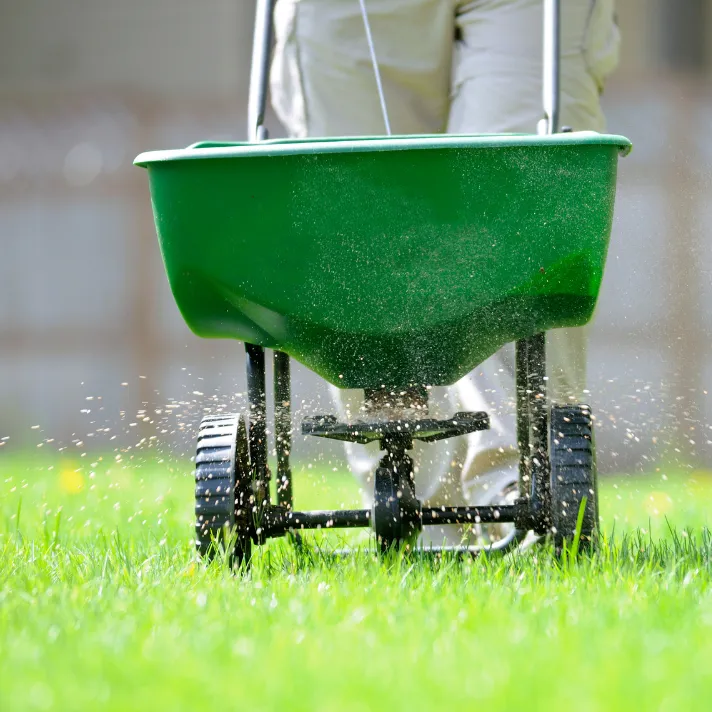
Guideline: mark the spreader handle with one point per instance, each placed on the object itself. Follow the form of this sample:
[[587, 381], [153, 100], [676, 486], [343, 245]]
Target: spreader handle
[[552, 70], [259, 71]]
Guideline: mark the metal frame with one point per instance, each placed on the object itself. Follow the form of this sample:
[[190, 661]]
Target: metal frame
[[278, 521], [424, 429], [531, 511], [255, 355], [530, 359]]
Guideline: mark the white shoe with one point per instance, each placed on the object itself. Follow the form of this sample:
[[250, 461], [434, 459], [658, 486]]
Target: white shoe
[[490, 534]]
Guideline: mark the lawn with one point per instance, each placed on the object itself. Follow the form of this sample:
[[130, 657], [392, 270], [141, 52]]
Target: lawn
[[103, 606]]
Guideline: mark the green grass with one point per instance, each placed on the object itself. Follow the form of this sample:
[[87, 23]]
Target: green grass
[[104, 607]]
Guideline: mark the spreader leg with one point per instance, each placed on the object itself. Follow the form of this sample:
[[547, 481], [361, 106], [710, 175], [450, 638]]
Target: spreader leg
[[532, 406], [256, 389], [256, 394], [283, 428], [532, 427]]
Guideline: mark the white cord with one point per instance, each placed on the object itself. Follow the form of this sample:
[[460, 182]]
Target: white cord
[[374, 61]]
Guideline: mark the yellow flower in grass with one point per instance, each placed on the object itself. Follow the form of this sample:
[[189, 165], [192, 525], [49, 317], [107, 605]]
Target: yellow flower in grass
[[71, 480]]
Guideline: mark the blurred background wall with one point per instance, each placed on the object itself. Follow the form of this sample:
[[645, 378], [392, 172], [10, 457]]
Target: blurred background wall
[[91, 344]]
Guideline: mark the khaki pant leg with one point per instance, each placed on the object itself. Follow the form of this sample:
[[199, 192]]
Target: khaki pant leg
[[322, 84], [497, 88], [322, 81]]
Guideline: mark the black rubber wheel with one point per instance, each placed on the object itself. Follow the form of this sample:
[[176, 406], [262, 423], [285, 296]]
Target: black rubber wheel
[[573, 474], [223, 497]]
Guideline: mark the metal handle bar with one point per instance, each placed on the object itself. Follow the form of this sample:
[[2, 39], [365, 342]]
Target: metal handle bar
[[552, 69], [259, 71]]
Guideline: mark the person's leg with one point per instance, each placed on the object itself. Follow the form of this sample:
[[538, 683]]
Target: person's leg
[[497, 74], [322, 84], [322, 81], [497, 88]]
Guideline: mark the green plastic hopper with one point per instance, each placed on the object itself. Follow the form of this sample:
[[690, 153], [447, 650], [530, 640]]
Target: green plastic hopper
[[386, 261]]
